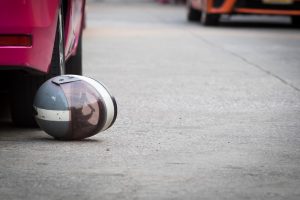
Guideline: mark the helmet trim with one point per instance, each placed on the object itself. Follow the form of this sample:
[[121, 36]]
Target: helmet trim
[[52, 115]]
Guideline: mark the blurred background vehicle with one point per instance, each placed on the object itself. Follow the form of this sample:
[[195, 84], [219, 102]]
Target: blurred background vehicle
[[39, 39], [210, 11]]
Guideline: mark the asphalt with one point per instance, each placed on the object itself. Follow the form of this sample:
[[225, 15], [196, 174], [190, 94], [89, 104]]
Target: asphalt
[[204, 113]]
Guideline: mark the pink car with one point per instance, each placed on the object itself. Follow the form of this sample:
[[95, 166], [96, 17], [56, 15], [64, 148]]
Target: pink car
[[39, 39]]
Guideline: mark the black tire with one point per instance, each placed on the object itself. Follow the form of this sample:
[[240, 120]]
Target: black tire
[[296, 21], [23, 90], [208, 19], [74, 63], [24, 85], [193, 15]]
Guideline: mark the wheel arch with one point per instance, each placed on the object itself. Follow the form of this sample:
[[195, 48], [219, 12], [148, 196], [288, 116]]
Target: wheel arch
[[74, 19]]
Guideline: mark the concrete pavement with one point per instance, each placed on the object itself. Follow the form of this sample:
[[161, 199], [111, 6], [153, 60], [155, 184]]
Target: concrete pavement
[[204, 113]]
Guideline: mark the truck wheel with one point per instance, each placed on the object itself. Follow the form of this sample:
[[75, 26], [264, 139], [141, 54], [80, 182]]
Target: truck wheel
[[208, 19], [193, 15], [296, 21], [24, 86]]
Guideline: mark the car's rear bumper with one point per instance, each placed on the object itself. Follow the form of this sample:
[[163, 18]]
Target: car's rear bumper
[[35, 18]]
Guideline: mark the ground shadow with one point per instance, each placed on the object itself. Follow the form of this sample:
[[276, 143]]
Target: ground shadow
[[255, 22], [49, 139], [9, 132], [256, 25]]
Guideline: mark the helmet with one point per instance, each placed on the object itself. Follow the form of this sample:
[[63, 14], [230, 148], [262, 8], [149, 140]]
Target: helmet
[[72, 107]]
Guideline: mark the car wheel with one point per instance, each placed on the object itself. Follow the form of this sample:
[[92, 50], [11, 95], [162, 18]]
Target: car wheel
[[23, 89], [296, 21], [208, 19], [24, 86], [74, 64], [193, 15]]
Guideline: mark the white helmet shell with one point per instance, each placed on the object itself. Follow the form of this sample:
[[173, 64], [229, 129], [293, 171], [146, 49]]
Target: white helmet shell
[[72, 107]]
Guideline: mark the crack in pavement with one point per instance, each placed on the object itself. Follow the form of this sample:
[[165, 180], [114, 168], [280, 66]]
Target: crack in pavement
[[264, 70], [270, 73]]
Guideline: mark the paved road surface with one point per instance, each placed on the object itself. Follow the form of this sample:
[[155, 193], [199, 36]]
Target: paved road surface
[[204, 113]]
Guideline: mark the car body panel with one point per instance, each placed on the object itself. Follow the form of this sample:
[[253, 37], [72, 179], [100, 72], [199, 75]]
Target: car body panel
[[37, 18]]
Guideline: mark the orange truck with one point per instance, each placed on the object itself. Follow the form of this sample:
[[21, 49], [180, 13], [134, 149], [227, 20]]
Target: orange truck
[[209, 11]]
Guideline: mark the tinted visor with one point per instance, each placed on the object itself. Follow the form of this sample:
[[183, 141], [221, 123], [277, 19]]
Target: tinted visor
[[87, 109]]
